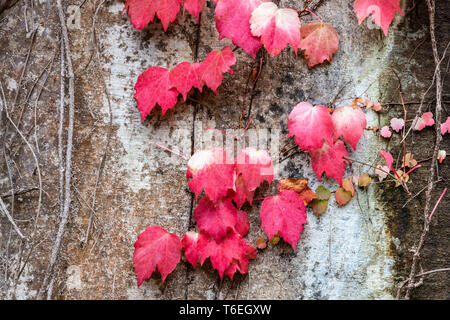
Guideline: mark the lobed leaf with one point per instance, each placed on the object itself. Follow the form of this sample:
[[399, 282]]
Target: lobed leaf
[[329, 159], [233, 21], [276, 27], [155, 247], [285, 214], [310, 126], [320, 42], [383, 11]]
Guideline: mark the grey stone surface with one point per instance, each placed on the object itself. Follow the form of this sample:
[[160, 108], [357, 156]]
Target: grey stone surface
[[345, 254]]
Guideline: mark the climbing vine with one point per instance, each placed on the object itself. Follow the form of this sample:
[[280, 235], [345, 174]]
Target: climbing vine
[[322, 131]]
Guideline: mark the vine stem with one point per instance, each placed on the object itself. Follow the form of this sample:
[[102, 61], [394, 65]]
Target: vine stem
[[431, 5], [172, 151], [222, 132], [68, 175], [5, 211]]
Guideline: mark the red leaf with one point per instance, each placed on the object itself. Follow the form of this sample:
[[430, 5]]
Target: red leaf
[[383, 11], [241, 264], [211, 70], [445, 127], [212, 171], [241, 193], [387, 157], [185, 76], [155, 247], [284, 213], [329, 159], [254, 166], [242, 224], [232, 21], [310, 126], [232, 249], [215, 219], [141, 12], [189, 243], [349, 122], [153, 87], [320, 41], [425, 120], [276, 27], [194, 7]]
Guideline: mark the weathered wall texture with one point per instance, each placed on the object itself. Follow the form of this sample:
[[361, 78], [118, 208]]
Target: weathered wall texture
[[359, 251]]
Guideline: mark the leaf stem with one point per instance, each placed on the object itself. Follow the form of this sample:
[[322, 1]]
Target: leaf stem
[[170, 150], [437, 203], [315, 15], [412, 169]]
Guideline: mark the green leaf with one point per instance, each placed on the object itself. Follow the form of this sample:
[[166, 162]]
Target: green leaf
[[323, 193], [319, 206], [275, 239]]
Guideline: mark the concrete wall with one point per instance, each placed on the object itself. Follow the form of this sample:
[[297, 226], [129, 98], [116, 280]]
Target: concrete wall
[[348, 253]]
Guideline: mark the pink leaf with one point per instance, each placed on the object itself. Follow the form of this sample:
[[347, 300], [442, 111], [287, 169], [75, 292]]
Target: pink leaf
[[185, 76], [397, 124], [155, 247], [194, 7], [329, 159], [320, 41], [276, 27], [387, 157], [242, 224], [425, 120], [381, 171], [445, 127], [230, 250], [241, 193], [349, 122], [212, 171], [153, 87], [211, 70], [385, 132], [215, 219], [254, 166], [284, 213], [143, 11], [189, 244], [383, 11], [310, 126], [232, 21], [242, 263]]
